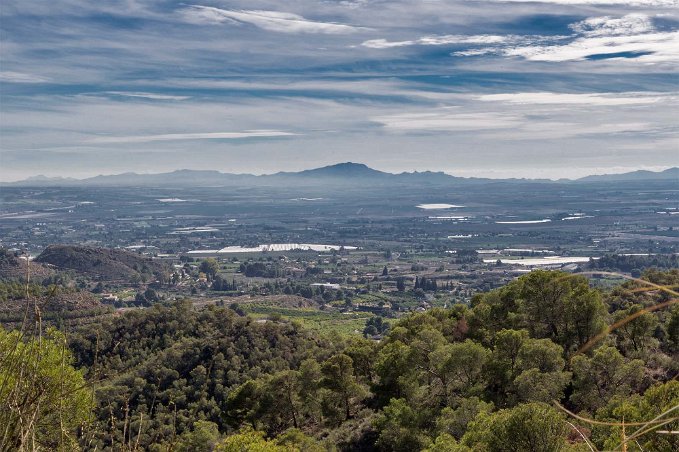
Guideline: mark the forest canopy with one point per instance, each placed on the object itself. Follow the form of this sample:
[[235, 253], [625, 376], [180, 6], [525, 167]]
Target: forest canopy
[[495, 375]]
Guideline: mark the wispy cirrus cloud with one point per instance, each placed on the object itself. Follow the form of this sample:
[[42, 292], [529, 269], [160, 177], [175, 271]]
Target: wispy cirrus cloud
[[191, 136], [646, 3], [150, 96], [515, 126], [438, 40], [594, 99], [20, 77], [281, 22], [447, 120], [542, 117]]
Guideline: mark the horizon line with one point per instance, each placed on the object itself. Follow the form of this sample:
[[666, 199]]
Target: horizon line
[[76, 179]]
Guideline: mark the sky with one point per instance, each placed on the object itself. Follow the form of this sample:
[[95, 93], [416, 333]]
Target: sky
[[486, 88]]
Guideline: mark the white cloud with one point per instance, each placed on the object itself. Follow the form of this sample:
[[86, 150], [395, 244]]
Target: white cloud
[[191, 136], [384, 44], [598, 99], [631, 24], [462, 39], [551, 130], [151, 96], [647, 3], [515, 126], [20, 77], [646, 48], [268, 20], [447, 121], [632, 37], [477, 52], [437, 40]]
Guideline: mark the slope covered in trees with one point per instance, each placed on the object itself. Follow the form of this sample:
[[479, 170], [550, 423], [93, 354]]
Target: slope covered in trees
[[104, 263], [482, 377], [13, 267]]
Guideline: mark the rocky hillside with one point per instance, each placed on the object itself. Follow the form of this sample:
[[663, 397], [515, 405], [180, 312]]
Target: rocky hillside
[[13, 267], [55, 305], [103, 263]]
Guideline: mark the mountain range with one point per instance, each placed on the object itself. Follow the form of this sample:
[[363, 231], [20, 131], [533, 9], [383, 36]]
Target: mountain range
[[338, 174]]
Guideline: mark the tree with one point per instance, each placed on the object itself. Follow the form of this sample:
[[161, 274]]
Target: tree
[[455, 421], [400, 429], [673, 328], [392, 365], [295, 440], [561, 307], [99, 288], [362, 352], [637, 335], [525, 369], [446, 443], [604, 375], [640, 408], [385, 271], [459, 367], [541, 354], [338, 378], [532, 385], [202, 438], [534, 427], [400, 284], [375, 325], [270, 403], [151, 295], [210, 267], [250, 441], [43, 399], [310, 378], [503, 364]]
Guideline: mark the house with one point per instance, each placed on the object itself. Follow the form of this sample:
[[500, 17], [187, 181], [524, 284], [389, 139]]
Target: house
[[326, 285]]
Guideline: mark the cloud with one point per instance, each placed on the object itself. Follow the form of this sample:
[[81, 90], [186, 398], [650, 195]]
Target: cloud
[[443, 120], [438, 40], [631, 24], [551, 130], [268, 20], [646, 3], [19, 77], [645, 48], [191, 136], [151, 96], [598, 99], [515, 126], [632, 37], [144, 78], [384, 44], [543, 117]]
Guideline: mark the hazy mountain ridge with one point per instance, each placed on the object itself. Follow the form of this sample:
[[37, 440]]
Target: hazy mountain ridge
[[668, 174], [338, 174]]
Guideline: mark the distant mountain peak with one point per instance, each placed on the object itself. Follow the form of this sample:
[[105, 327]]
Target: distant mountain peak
[[343, 170], [668, 174], [350, 166], [347, 167]]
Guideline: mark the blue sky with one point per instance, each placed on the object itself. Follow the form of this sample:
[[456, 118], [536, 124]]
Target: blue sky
[[552, 88]]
